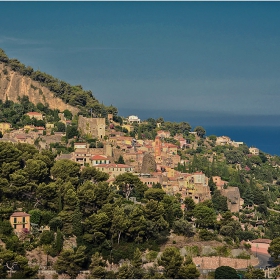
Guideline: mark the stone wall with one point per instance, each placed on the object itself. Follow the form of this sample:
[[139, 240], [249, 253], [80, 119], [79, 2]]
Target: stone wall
[[215, 262], [94, 127]]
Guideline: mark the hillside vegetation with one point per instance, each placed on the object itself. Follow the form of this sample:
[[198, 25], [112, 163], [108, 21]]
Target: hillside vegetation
[[82, 222], [18, 80]]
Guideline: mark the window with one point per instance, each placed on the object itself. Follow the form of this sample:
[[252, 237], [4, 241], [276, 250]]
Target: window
[[23, 219], [15, 220]]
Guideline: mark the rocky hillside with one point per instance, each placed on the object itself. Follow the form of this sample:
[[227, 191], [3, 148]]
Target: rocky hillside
[[14, 85]]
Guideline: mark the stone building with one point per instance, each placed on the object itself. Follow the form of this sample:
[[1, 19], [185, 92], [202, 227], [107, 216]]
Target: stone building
[[94, 127]]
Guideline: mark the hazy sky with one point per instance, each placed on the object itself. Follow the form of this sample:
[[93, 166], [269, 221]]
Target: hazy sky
[[208, 62]]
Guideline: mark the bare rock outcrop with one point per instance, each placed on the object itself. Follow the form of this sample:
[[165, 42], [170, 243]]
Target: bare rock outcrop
[[14, 85], [149, 164]]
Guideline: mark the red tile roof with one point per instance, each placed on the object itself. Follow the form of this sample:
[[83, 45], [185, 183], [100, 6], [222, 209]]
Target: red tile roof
[[20, 214], [113, 165], [34, 113], [98, 157]]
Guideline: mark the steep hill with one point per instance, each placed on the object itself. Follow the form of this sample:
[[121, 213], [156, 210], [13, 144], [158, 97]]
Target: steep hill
[[14, 85], [17, 80]]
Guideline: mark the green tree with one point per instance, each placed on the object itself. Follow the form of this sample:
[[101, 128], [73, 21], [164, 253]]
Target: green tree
[[205, 216], [200, 131], [225, 272], [61, 127], [274, 248], [37, 170], [120, 160], [67, 114], [97, 267], [6, 228], [66, 170], [126, 271], [46, 237], [172, 209], [96, 227], [3, 57], [233, 156], [156, 224], [71, 131], [155, 194], [120, 223], [137, 226], [71, 262], [212, 185], [188, 270], [172, 261], [254, 273], [219, 201], [130, 185], [137, 258], [189, 207], [183, 227], [91, 173]]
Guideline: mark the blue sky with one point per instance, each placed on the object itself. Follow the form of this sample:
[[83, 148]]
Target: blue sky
[[208, 63]]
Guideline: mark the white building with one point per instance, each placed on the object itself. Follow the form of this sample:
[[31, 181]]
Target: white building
[[99, 159], [133, 119], [254, 151]]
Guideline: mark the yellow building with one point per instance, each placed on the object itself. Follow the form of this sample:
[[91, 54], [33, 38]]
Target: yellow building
[[128, 127], [5, 127], [20, 221]]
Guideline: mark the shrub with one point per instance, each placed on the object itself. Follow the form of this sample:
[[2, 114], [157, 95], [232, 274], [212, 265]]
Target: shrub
[[225, 272], [206, 235]]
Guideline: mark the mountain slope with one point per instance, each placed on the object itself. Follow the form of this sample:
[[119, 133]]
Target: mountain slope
[[17, 80], [14, 85]]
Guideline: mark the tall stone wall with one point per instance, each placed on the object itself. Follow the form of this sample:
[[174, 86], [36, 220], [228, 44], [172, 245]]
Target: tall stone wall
[[94, 127], [215, 262]]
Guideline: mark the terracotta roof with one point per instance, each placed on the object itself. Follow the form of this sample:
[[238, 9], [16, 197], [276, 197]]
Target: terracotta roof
[[170, 145], [113, 165], [98, 157], [34, 113], [20, 214], [20, 136]]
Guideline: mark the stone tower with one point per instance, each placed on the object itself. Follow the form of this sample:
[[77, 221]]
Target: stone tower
[[158, 147]]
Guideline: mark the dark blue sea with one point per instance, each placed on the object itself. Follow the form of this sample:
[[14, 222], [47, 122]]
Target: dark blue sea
[[261, 131], [266, 138]]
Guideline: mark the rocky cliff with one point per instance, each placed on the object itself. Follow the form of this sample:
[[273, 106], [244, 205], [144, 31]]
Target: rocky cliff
[[14, 85], [149, 164]]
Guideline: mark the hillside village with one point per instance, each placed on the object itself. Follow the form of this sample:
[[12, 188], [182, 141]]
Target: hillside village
[[158, 168], [85, 193]]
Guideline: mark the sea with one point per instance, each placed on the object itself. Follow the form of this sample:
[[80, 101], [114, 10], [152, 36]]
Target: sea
[[262, 132], [265, 138]]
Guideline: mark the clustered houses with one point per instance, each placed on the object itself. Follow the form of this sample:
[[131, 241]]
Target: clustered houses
[[194, 185], [225, 140]]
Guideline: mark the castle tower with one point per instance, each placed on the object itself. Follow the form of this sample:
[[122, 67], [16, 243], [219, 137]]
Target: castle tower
[[158, 147]]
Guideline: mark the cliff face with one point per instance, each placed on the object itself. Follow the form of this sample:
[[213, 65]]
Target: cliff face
[[14, 85]]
